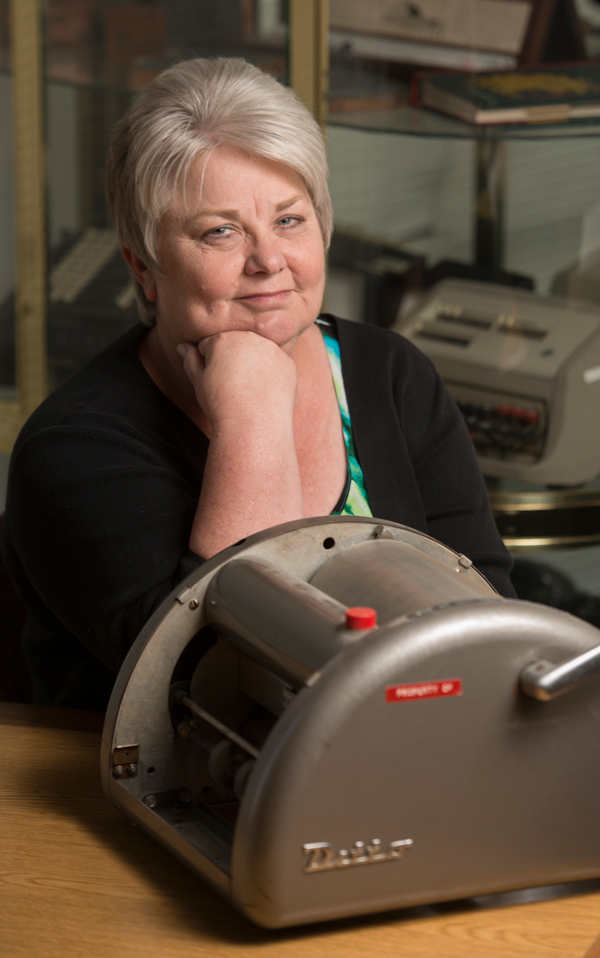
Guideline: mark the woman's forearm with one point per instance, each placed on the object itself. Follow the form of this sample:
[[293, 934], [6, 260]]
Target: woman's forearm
[[251, 482], [245, 386]]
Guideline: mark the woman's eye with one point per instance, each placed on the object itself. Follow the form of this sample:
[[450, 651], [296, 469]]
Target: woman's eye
[[290, 221], [219, 232]]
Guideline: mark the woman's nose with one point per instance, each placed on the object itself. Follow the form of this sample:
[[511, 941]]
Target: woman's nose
[[265, 255]]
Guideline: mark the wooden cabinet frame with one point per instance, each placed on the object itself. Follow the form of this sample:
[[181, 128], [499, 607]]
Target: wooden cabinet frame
[[30, 219], [309, 54]]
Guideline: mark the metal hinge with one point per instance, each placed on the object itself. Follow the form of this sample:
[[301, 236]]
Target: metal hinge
[[125, 760]]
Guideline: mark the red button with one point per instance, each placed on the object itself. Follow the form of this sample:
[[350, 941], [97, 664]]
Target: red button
[[531, 415], [361, 617]]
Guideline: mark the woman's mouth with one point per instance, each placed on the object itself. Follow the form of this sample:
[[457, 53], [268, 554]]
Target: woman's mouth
[[268, 298]]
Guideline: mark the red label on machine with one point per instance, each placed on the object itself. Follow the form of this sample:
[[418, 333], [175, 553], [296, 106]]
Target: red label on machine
[[423, 690]]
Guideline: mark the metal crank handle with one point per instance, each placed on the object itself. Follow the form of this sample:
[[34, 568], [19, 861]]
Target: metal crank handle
[[544, 681]]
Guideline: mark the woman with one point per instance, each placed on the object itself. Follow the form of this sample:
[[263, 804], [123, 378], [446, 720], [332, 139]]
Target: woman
[[231, 410]]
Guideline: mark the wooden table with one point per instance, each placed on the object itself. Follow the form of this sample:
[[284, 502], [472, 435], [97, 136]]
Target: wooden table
[[78, 880]]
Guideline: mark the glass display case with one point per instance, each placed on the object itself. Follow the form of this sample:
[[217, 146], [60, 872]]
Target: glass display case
[[517, 203]]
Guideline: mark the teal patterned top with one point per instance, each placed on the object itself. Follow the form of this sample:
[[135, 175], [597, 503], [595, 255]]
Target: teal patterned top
[[354, 500]]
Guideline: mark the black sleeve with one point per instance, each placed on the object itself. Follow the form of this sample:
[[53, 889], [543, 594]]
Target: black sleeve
[[452, 489], [100, 518]]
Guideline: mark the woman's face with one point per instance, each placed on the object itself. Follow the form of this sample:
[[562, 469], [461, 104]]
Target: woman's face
[[244, 252]]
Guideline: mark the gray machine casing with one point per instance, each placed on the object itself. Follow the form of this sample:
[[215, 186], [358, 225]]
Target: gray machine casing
[[359, 802], [494, 344]]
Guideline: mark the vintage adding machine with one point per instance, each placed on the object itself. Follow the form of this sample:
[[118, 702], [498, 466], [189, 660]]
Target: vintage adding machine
[[525, 372], [341, 716]]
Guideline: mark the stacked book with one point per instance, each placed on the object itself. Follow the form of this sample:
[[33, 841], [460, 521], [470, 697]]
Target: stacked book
[[538, 94]]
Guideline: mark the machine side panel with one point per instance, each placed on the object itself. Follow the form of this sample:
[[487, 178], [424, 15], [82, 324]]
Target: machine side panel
[[477, 791]]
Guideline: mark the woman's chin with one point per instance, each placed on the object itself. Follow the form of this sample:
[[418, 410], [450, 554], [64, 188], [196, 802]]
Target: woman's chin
[[281, 327]]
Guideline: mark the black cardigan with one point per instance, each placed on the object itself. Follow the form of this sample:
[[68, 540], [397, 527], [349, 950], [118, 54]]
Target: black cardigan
[[105, 478]]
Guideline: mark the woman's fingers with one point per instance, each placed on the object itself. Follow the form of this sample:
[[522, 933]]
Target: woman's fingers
[[242, 375], [192, 360]]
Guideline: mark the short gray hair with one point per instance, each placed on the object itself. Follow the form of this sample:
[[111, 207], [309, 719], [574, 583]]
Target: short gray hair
[[186, 112]]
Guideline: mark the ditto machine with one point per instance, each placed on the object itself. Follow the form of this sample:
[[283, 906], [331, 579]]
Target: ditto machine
[[341, 716]]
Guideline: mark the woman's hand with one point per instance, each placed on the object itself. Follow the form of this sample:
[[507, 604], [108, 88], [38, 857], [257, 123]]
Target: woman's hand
[[241, 377]]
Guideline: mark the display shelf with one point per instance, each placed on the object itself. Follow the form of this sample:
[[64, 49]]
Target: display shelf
[[532, 517], [411, 121]]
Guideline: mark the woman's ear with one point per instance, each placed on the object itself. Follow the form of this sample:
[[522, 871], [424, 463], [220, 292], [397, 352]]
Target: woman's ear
[[141, 272]]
